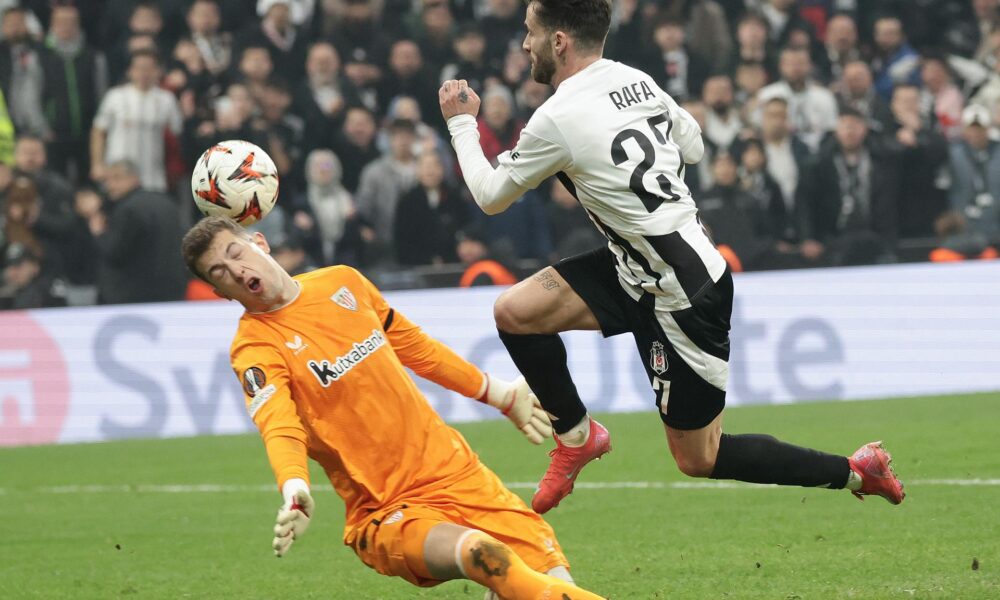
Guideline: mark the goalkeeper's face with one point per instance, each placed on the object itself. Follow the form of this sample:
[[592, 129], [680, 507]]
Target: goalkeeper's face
[[240, 268]]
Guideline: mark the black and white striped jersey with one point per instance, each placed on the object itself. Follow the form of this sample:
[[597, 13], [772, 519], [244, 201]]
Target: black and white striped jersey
[[620, 143]]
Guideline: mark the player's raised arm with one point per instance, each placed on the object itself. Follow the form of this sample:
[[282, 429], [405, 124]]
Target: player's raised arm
[[264, 378], [533, 159]]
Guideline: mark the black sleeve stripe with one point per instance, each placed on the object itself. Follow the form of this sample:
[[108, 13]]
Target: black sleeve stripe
[[388, 320]]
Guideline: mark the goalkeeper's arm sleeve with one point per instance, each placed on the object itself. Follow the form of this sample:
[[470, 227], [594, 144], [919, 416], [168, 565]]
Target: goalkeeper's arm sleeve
[[493, 189]]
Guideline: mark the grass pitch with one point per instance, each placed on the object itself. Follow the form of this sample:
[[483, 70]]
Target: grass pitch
[[128, 519]]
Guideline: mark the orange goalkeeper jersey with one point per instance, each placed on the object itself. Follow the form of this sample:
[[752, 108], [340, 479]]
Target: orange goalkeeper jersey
[[325, 375]]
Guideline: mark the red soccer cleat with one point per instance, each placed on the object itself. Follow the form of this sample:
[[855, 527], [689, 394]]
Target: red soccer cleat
[[874, 465], [566, 464]]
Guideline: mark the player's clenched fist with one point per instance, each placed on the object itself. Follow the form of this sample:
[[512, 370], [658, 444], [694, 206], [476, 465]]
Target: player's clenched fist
[[457, 98]]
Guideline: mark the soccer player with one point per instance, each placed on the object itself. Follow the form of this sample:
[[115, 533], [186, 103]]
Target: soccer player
[[620, 144], [321, 358]]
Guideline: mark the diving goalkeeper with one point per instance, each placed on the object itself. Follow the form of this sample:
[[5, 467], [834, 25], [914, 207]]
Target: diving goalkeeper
[[321, 358]]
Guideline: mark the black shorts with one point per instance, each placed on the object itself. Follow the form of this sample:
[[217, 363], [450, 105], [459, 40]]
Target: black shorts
[[685, 352]]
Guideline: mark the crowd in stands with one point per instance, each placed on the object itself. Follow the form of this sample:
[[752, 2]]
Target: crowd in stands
[[837, 132]]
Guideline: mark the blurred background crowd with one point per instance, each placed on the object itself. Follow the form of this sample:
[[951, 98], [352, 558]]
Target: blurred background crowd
[[838, 132]]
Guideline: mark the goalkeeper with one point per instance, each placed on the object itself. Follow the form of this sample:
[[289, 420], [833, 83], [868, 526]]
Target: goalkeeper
[[321, 358]]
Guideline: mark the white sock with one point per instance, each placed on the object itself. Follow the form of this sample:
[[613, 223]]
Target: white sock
[[853, 481], [578, 435]]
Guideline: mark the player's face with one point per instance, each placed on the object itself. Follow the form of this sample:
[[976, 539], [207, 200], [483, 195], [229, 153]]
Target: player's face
[[538, 45], [241, 268]]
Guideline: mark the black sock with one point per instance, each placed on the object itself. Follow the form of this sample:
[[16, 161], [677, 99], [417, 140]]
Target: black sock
[[542, 361], [763, 459]]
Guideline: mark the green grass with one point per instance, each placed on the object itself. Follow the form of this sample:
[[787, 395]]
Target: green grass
[[750, 542]]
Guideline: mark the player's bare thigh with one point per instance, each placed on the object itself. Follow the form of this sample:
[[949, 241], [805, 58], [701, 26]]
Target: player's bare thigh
[[542, 304]]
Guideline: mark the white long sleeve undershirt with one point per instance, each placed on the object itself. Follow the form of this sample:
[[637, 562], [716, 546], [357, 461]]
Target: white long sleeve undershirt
[[493, 189]]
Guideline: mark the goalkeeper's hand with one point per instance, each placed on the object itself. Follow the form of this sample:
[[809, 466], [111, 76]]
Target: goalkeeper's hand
[[518, 404], [293, 516]]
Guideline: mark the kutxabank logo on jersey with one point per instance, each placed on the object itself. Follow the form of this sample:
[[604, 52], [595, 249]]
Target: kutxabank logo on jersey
[[326, 371]]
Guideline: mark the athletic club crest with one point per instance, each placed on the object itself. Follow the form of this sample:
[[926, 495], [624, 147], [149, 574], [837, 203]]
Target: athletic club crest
[[345, 298], [658, 358]]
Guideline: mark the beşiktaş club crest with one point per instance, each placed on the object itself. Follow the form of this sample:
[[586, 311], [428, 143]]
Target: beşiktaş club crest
[[345, 298], [253, 381], [658, 358]]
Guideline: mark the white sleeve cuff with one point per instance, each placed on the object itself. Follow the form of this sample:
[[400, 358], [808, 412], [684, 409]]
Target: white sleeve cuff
[[291, 486]]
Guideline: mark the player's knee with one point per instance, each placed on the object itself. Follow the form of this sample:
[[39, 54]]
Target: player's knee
[[695, 464], [510, 315]]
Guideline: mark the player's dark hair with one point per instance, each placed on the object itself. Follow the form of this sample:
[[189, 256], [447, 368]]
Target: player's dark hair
[[199, 238], [587, 21]]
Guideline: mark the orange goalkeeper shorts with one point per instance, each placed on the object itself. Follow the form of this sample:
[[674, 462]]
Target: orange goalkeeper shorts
[[391, 540]]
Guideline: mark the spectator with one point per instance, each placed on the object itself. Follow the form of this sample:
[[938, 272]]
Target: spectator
[[975, 168], [853, 194], [255, 69], [300, 11], [7, 133], [783, 20], [131, 123], [948, 100], [671, 65], [787, 158], [188, 78], [812, 108], [753, 44], [470, 58], [72, 90], [280, 36], [956, 242], [503, 25], [698, 176], [137, 242], [407, 76], [856, 90], [52, 222], [988, 94], [383, 183], [292, 256], [923, 154], [323, 96], [722, 120], [572, 231], [769, 211], [840, 47], [895, 60], [428, 217], [24, 67], [987, 13], [708, 33], [355, 145], [30, 159], [144, 20], [81, 258], [481, 266], [498, 130], [731, 216], [324, 219], [751, 77], [21, 210], [204, 19], [434, 32], [25, 283], [285, 132], [427, 139], [363, 49]]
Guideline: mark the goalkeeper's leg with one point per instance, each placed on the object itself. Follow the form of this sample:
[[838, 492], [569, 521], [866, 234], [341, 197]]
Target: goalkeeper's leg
[[454, 552]]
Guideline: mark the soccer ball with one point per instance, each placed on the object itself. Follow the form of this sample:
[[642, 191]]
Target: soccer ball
[[235, 179]]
